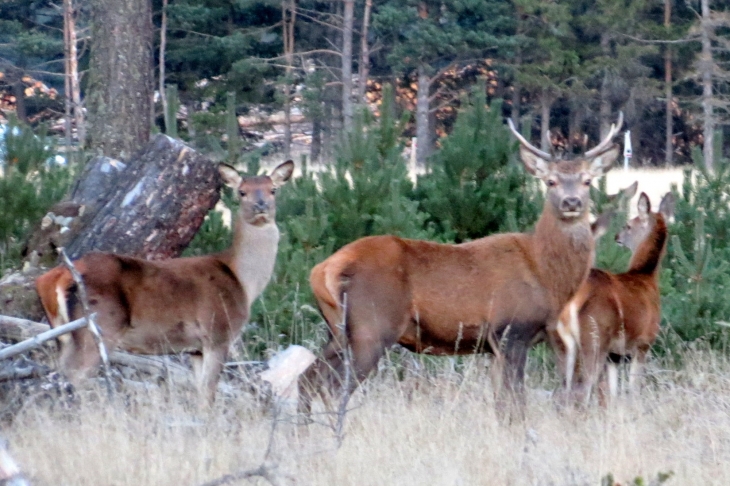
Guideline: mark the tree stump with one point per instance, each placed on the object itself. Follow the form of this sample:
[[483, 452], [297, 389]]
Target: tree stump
[[150, 207]]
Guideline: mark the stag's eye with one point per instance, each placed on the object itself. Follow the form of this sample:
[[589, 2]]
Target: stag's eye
[[242, 193], [273, 191], [552, 183], [587, 182]]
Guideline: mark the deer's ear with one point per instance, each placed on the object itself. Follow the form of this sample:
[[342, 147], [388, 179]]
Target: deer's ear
[[601, 163], [282, 173], [630, 191], [666, 207], [602, 223], [230, 176], [534, 164], [644, 206]]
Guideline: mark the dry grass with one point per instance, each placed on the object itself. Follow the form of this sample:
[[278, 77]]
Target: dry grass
[[436, 427]]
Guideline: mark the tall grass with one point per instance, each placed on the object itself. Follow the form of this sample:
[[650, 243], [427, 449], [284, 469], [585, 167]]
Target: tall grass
[[409, 424]]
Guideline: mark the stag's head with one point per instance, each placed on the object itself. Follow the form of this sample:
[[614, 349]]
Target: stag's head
[[257, 194], [568, 181], [639, 228]]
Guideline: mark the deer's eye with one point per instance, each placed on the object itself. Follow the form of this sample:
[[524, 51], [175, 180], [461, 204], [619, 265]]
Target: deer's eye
[[273, 191], [587, 182], [242, 193], [552, 183]]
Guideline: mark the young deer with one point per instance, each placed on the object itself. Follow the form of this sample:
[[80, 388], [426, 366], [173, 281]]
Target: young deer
[[194, 305], [459, 299], [616, 316]]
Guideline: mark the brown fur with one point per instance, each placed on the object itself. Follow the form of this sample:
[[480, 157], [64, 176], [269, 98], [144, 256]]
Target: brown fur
[[195, 305], [615, 315], [458, 299]]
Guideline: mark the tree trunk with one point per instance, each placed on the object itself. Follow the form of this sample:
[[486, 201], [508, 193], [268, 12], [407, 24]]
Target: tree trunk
[[669, 128], [119, 96], [546, 103], [605, 105], [423, 134], [19, 93], [364, 54], [706, 65], [288, 12], [347, 64], [316, 147], [168, 117]]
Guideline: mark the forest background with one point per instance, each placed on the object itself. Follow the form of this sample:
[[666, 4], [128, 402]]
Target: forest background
[[350, 86]]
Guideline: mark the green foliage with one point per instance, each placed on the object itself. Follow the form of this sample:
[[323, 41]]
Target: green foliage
[[697, 283], [29, 185], [476, 186]]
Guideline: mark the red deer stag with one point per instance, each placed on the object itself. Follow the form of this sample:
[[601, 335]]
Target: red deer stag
[[616, 316], [196, 305], [447, 299]]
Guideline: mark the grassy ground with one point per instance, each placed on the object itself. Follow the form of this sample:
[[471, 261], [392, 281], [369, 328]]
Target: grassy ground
[[434, 426]]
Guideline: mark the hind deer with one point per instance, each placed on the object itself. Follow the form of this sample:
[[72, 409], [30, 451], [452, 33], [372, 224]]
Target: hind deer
[[444, 299], [195, 305], [616, 316]]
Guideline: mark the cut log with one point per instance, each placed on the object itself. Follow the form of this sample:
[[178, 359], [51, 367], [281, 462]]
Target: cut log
[[283, 372], [15, 329]]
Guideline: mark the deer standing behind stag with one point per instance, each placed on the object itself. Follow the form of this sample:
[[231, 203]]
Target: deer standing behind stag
[[615, 317], [497, 294], [195, 305]]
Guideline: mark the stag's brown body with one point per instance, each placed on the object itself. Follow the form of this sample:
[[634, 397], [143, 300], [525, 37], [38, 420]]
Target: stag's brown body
[[614, 317], [196, 305], [496, 292]]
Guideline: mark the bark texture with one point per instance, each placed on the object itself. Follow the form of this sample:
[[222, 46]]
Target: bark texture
[[121, 78], [156, 206]]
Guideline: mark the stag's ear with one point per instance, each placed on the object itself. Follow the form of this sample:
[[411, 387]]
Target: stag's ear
[[644, 206], [666, 207], [534, 164], [230, 176], [602, 223], [282, 173], [601, 163], [630, 191]]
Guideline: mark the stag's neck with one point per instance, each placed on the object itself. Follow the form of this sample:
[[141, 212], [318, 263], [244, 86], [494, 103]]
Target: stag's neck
[[253, 255], [564, 253], [649, 253]]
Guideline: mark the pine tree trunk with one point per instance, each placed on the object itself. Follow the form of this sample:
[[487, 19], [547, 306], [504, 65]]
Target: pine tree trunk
[[119, 96], [706, 73], [546, 103], [316, 148], [168, 117], [347, 64], [72, 80], [669, 128], [364, 54], [423, 133], [289, 12], [604, 111]]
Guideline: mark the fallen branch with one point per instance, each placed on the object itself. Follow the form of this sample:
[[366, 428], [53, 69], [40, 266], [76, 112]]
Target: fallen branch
[[95, 332], [15, 329], [41, 338]]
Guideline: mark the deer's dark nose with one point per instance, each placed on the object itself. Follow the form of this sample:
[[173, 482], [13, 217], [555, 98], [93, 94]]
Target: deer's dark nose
[[570, 204], [261, 206]]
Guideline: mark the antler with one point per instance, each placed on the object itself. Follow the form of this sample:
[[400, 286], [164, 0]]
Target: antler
[[526, 144], [606, 141]]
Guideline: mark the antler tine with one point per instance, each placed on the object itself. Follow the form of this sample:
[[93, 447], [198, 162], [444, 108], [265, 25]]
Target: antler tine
[[606, 141], [526, 144]]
